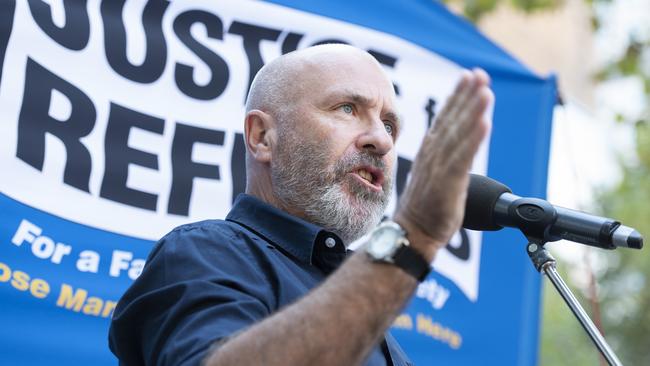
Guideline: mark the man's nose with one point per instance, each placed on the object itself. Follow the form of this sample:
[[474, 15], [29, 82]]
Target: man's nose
[[376, 139]]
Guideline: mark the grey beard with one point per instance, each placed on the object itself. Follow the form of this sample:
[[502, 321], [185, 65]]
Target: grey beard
[[333, 211], [301, 180]]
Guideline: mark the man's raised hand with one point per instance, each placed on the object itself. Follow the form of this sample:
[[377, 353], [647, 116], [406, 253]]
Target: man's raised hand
[[432, 206]]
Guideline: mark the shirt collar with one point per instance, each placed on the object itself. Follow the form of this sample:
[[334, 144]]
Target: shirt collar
[[301, 239]]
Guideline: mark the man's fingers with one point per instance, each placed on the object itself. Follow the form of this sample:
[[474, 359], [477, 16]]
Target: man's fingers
[[468, 145], [451, 104], [459, 139], [479, 79], [473, 124], [439, 174], [459, 126], [476, 106], [466, 89], [482, 77]]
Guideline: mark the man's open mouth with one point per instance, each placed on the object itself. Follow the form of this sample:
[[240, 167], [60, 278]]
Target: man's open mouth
[[373, 177], [366, 175]]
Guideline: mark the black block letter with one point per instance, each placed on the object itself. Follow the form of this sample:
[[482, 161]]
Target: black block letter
[[184, 169], [218, 67], [115, 39], [238, 166], [253, 35], [76, 31], [119, 155], [34, 122]]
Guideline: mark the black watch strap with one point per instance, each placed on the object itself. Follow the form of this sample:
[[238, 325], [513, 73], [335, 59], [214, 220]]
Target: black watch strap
[[412, 262]]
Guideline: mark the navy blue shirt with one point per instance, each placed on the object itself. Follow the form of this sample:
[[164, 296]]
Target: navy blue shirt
[[205, 281]]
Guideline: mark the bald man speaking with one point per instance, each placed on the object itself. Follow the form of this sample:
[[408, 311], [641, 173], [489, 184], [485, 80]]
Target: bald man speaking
[[274, 283]]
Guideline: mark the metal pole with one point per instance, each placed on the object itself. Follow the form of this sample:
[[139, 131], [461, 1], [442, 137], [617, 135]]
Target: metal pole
[[579, 312]]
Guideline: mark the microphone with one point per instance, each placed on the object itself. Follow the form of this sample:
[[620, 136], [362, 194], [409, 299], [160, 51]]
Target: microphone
[[491, 205]]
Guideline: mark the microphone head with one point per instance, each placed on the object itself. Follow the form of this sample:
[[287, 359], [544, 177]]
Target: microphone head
[[482, 196], [635, 240]]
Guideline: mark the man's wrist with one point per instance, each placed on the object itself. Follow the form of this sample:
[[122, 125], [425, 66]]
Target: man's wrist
[[388, 243], [422, 243]]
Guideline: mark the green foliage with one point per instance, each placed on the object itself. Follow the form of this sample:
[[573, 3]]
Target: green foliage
[[629, 64], [475, 9], [534, 5]]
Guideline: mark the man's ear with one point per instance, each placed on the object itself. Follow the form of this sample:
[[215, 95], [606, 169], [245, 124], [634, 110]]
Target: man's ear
[[259, 129]]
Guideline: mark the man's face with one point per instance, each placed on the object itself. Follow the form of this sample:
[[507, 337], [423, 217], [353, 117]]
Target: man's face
[[334, 159]]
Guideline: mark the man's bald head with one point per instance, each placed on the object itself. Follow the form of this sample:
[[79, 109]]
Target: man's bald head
[[280, 82]]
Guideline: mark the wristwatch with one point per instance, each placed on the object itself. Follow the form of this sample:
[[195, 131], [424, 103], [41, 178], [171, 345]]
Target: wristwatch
[[388, 244]]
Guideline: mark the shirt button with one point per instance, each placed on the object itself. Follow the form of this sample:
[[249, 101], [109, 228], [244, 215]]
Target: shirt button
[[330, 242]]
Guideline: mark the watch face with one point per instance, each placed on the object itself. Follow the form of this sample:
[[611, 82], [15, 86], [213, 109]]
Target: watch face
[[383, 242]]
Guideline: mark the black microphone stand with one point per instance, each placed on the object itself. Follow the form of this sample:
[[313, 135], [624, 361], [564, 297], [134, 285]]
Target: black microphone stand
[[544, 263]]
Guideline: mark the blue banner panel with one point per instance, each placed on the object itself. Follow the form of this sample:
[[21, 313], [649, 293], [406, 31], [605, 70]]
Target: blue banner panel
[[59, 283]]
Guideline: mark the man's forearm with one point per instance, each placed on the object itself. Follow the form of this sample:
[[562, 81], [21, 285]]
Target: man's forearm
[[338, 323]]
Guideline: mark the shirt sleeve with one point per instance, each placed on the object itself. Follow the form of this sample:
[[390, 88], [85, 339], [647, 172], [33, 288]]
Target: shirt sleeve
[[198, 286]]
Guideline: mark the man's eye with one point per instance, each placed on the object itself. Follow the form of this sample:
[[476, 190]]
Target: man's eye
[[389, 128], [347, 108]]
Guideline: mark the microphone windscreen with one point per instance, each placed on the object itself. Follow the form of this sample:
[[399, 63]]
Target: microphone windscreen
[[482, 196]]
